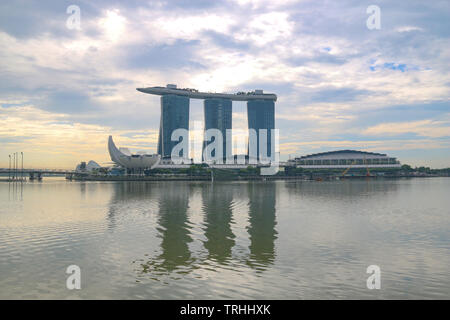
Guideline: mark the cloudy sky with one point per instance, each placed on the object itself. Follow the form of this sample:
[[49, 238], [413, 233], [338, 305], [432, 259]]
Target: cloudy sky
[[339, 84]]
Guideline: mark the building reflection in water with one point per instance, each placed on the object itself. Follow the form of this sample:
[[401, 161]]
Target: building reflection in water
[[174, 229], [217, 210], [344, 189], [262, 222], [173, 226]]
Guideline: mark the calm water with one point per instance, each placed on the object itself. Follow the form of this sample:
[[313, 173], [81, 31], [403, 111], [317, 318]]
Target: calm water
[[272, 240]]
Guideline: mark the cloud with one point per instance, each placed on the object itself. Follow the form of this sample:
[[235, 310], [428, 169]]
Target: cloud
[[52, 139], [176, 55], [334, 77], [408, 29], [67, 102], [424, 128], [337, 94], [306, 147]]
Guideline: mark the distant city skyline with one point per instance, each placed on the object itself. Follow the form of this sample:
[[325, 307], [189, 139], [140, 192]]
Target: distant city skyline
[[339, 85]]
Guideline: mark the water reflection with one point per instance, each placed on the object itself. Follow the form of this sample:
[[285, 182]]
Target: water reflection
[[15, 191], [226, 240], [173, 227], [124, 193], [217, 209], [342, 189], [219, 203], [262, 224]]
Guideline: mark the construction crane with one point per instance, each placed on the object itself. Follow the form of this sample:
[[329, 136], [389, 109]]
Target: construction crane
[[354, 161], [346, 170]]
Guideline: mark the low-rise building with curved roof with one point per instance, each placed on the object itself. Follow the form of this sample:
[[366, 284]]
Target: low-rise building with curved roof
[[346, 158]]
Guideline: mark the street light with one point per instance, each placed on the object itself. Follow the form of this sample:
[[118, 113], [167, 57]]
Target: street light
[[21, 178], [9, 171], [14, 165], [17, 170]]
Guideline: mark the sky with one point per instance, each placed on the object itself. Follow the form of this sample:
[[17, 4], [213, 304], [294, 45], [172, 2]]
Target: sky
[[340, 85]]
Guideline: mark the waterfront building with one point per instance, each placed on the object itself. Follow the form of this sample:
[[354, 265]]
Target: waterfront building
[[261, 115], [218, 115], [134, 163], [344, 159], [90, 167], [174, 115]]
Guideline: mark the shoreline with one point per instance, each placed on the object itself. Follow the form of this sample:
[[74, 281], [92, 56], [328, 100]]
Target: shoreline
[[242, 178], [317, 178]]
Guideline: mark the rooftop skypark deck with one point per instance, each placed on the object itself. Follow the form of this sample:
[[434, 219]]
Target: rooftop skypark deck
[[195, 94]]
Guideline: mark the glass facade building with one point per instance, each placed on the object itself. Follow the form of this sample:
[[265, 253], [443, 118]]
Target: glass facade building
[[261, 115], [218, 115], [174, 115]]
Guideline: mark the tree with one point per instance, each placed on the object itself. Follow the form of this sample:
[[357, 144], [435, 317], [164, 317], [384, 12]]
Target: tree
[[407, 167]]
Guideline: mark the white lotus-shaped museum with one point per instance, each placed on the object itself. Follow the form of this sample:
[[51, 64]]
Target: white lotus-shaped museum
[[124, 158]]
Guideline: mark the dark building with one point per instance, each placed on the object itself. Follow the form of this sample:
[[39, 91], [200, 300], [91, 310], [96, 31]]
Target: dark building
[[261, 115], [218, 115], [174, 115]]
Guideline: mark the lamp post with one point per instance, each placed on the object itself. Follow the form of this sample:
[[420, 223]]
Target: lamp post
[[17, 167], [9, 171], [21, 178], [14, 166]]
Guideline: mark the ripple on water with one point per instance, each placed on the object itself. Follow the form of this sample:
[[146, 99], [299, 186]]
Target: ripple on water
[[227, 240]]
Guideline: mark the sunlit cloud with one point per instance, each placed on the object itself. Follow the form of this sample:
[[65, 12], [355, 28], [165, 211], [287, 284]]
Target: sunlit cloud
[[113, 25], [51, 139], [327, 69], [425, 128], [365, 145]]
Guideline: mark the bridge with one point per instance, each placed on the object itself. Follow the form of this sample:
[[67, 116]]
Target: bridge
[[37, 174], [17, 174]]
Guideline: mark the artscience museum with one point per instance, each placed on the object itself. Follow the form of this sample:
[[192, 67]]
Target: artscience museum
[[127, 160]]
